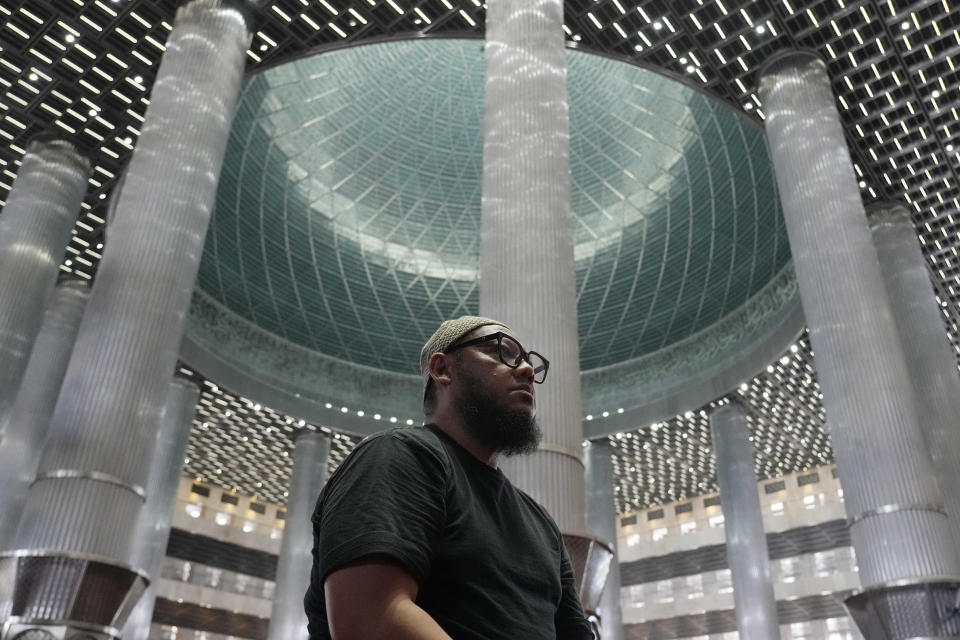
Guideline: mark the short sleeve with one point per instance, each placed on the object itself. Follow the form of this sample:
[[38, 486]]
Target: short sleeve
[[386, 499], [570, 620]]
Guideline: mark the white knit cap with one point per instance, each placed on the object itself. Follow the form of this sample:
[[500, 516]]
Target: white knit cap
[[446, 336]]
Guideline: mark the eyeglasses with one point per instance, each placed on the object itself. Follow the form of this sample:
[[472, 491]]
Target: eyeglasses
[[511, 354]]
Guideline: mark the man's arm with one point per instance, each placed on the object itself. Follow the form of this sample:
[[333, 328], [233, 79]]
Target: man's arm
[[374, 599]]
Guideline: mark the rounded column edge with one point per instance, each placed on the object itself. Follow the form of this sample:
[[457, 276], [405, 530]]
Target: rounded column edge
[[560, 451], [247, 9], [243, 7], [95, 476], [79, 155], [306, 434], [787, 58], [885, 211]]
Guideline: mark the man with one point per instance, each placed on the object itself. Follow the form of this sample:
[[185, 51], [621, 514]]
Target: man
[[419, 535]]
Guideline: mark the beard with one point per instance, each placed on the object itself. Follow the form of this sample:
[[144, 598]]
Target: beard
[[508, 432]]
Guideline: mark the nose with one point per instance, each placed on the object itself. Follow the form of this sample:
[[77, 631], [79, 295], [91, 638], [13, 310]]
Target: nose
[[525, 370]]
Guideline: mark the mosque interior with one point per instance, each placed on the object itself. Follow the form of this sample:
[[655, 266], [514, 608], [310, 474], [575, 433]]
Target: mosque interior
[[346, 225]]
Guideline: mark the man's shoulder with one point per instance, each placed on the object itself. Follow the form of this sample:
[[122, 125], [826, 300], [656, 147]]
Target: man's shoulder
[[418, 441], [393, 452], [419, 436]]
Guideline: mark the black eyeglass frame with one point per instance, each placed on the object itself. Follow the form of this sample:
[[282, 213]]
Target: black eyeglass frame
[[524, 354]]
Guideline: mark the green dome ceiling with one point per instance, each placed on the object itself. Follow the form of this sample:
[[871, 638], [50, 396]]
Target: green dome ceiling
[[348, 209]]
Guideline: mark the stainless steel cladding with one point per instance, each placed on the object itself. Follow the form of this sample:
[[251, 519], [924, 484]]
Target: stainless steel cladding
[[34, 229], [754, 603], [527, 276]]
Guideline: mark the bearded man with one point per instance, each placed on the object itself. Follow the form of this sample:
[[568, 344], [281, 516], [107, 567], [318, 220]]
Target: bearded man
[[419, 535]]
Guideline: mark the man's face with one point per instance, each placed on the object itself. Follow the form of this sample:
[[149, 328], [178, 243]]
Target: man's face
[[497, 402]]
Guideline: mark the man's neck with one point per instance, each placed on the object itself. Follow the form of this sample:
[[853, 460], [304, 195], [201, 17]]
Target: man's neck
[[458, 432]]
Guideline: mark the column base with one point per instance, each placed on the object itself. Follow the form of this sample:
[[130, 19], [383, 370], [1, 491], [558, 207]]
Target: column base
[[15, 629], [54, 595], [908, 609], [591, 559]]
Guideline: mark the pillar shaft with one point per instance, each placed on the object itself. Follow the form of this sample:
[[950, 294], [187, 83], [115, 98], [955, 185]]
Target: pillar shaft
[[527, 274], [34, 229], [890, 491], [602, 522], [287, 618], [933, 369], [754, 602], [156, 518], [89, 487], [22, 442]]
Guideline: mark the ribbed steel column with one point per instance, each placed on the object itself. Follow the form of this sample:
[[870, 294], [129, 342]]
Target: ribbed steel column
[[602, 522], [898, 526], [22, 443], [526, 251], [34, 229], [287, 619], [754, 603], [153, 529], [933, 369], [89, 488]]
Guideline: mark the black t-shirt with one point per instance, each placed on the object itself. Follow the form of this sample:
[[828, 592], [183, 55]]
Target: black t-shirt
[[489, 561]]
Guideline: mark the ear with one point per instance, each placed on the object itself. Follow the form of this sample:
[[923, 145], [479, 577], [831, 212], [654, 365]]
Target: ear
[[439, 368]]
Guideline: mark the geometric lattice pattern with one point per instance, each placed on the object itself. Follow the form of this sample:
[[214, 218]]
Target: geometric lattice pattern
[[84, 68], [348, 212]]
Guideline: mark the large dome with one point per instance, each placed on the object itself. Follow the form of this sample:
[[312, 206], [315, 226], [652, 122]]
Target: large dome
[[348, 211]]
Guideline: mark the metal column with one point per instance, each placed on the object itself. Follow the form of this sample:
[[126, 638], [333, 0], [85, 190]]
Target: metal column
[[287, 618], [22, 443], [933, 369], [156, 518], [89, 488], [602, 522], [34, 229], [527, 274], [754, 603], [897, 522]]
